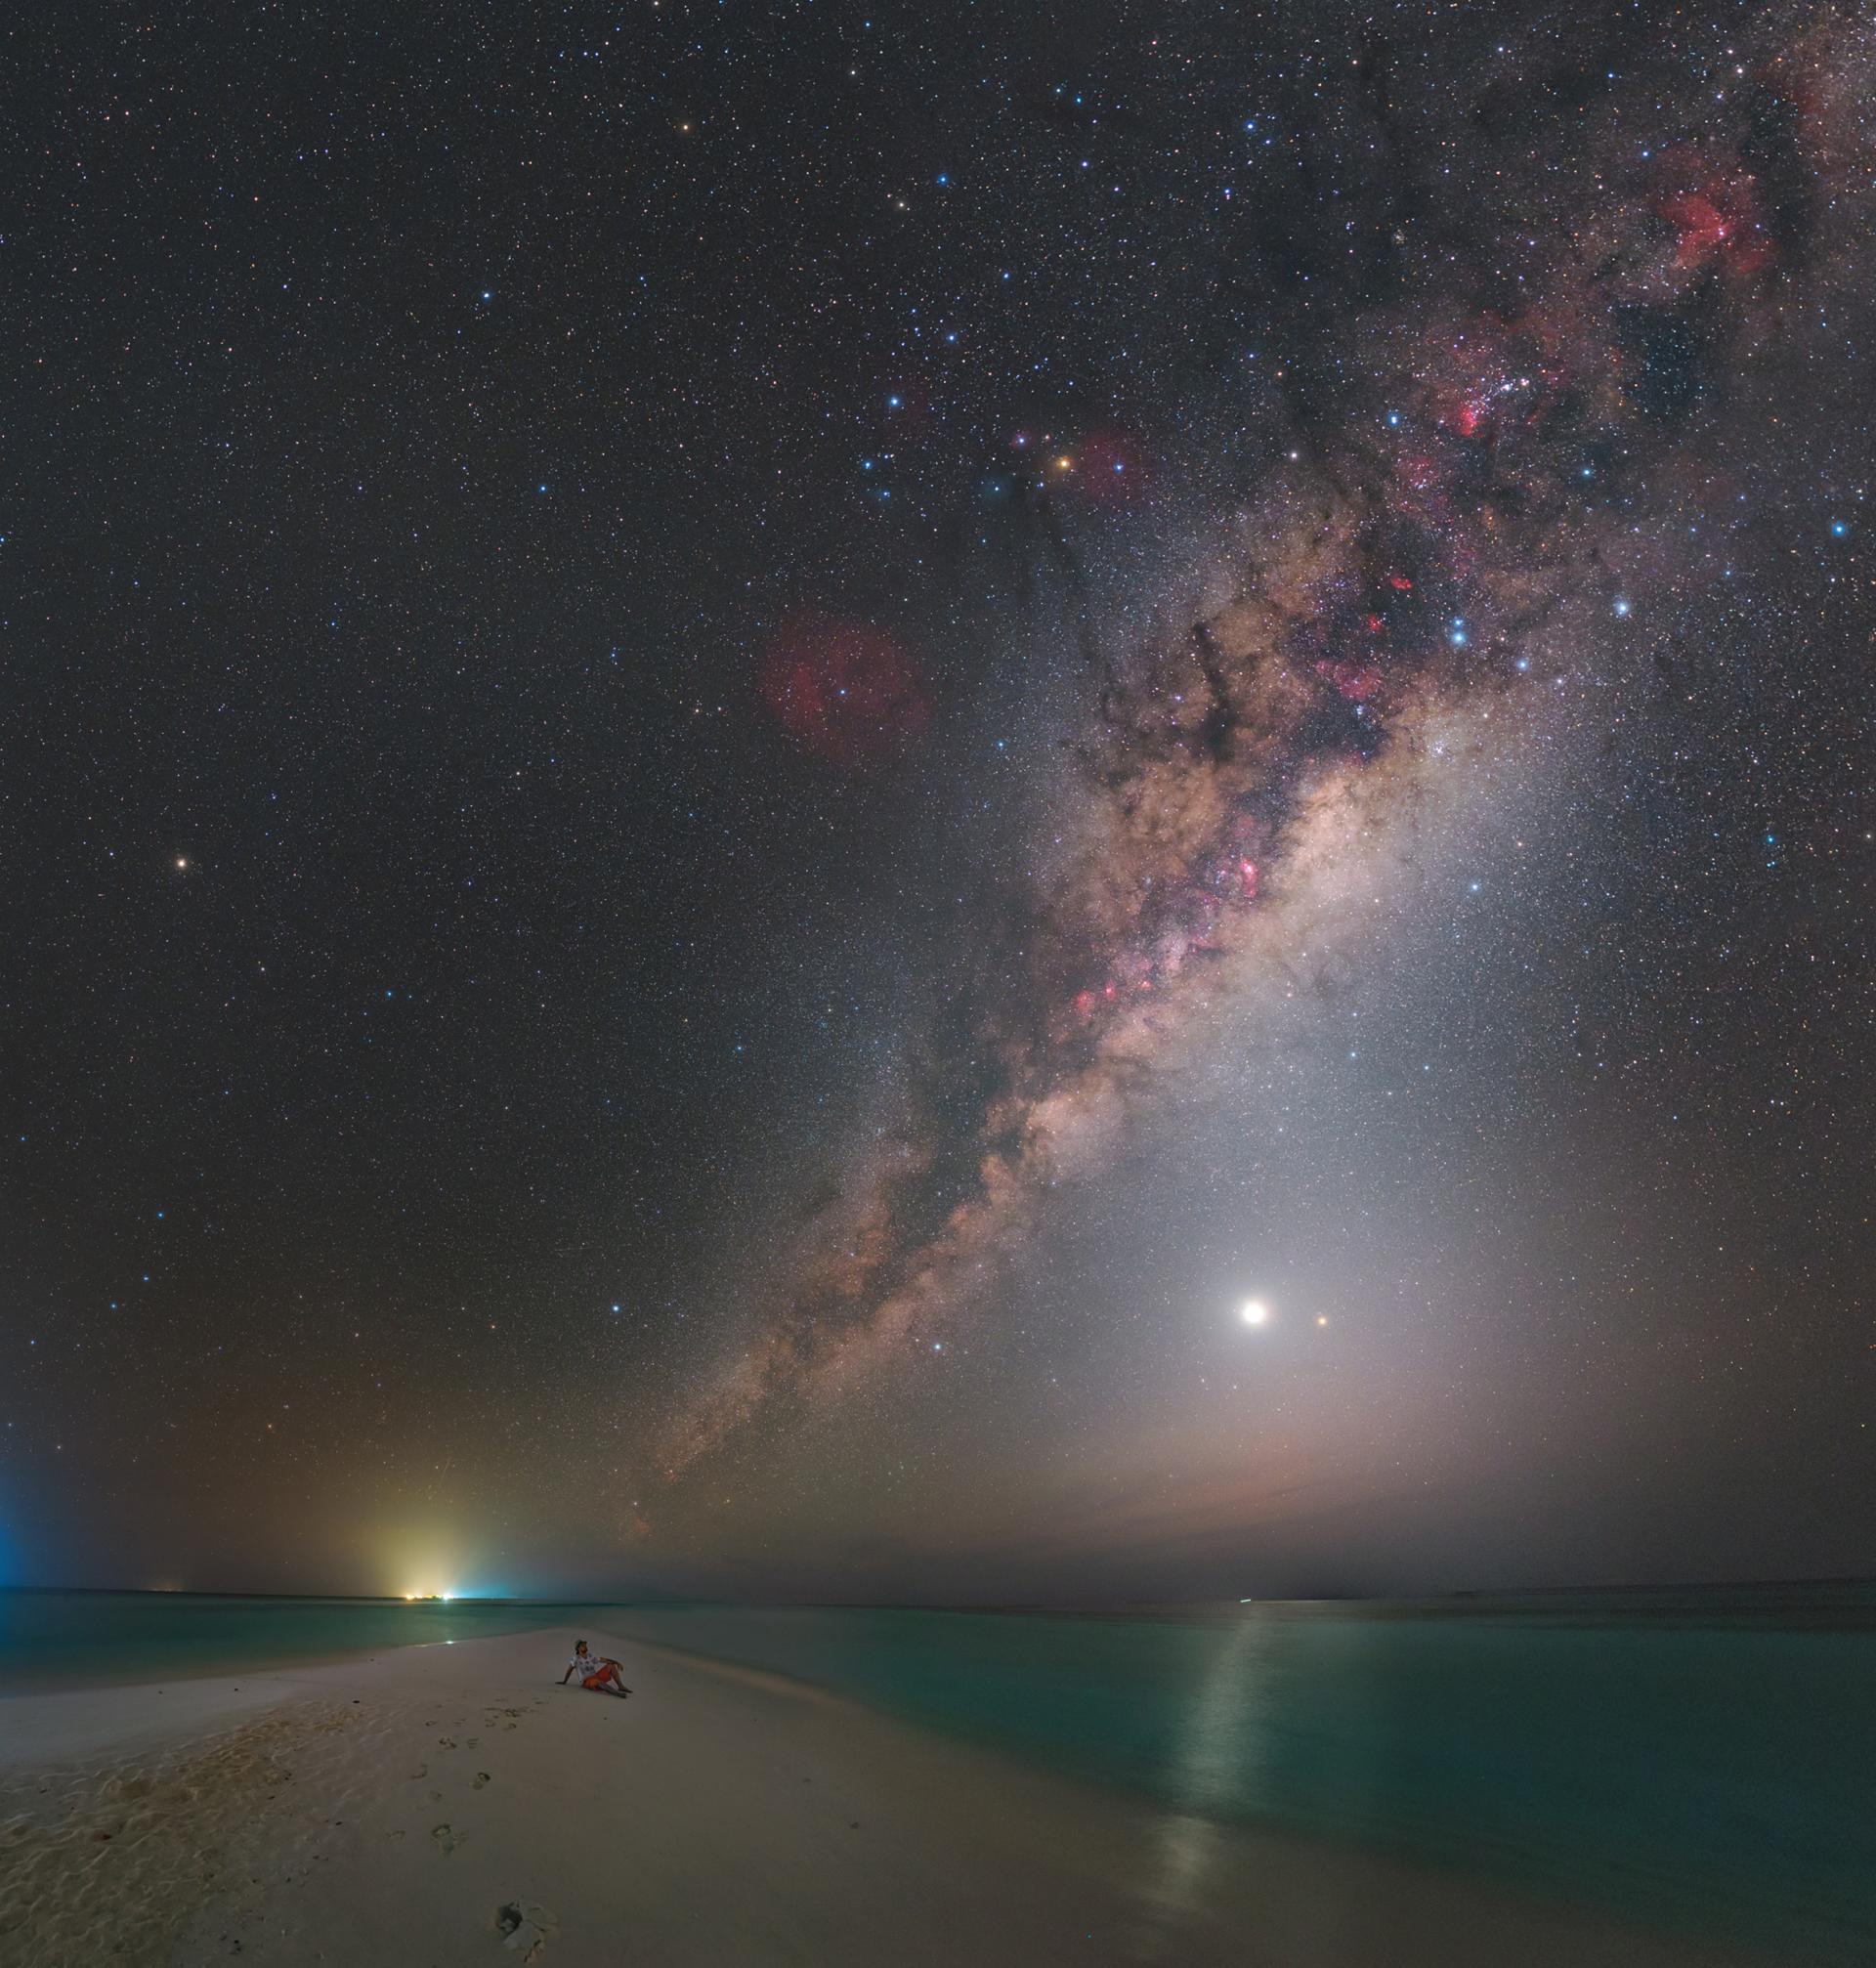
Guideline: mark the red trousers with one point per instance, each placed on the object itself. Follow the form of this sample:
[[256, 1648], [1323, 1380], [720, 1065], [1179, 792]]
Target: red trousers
[[601, 1674]]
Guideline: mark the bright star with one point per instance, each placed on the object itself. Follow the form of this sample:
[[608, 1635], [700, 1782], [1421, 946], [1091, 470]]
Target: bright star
[[1253, 1312]]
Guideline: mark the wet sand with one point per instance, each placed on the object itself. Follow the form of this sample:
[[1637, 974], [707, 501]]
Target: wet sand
[[450, 1804]]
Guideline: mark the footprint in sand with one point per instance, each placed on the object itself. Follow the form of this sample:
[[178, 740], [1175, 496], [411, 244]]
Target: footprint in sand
[[526, 1927], [420, 1773], [436, 1797], [446, 1839], [481, 1777], [446, 1742]]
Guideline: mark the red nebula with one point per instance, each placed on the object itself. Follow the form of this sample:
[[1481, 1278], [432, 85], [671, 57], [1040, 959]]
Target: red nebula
[[1718, 220], [1356, 681], [1700, 223], [1467, 418], [845, 689]]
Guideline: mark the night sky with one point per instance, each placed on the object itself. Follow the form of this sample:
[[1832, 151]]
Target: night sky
[[746, 749]]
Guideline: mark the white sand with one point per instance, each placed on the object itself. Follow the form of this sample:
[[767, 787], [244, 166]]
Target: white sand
[[388, 1810]]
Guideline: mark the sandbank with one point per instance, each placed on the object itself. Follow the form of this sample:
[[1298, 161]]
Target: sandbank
[[450, 1804]]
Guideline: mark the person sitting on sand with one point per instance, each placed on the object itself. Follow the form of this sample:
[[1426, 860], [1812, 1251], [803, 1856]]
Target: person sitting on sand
[[598, 1673]]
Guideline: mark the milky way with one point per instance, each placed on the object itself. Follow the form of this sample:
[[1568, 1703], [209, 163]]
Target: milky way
[[1526, 408], [752, 746]]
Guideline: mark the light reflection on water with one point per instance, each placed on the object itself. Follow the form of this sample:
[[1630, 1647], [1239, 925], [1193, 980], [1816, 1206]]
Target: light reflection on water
[[1220, 1738]]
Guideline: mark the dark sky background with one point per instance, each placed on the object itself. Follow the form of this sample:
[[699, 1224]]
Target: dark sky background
[[745, 749]]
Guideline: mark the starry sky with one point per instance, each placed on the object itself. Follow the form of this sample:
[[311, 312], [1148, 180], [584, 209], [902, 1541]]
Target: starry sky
[[746, 749]]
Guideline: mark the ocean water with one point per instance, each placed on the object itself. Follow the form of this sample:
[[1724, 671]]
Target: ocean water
[[1700, 1761], [49, 1637]]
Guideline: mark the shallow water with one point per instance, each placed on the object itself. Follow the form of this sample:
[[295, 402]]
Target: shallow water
[[1702, 1760], [49, 1637]]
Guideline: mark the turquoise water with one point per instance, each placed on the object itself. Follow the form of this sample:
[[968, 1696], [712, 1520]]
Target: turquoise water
[[50, 1637], [1701, 1761]]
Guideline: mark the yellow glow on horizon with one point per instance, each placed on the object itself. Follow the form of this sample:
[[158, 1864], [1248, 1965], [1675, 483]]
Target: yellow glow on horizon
[[419, 1558]]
